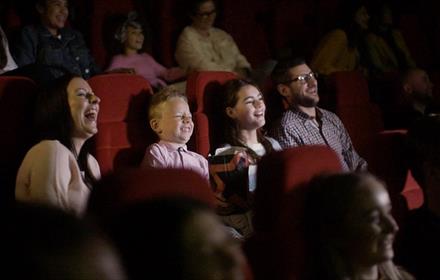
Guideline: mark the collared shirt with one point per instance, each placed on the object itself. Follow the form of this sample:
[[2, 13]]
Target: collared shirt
[[66, 52], [296, 128], [165, 155]]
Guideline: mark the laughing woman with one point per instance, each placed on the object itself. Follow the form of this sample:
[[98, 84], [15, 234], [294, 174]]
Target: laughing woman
[[59, 170]]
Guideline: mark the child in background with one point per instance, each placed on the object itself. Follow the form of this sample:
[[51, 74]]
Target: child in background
[[171, 119], [244, 116], [131, 36]]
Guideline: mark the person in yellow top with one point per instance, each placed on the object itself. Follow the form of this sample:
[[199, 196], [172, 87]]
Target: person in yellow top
[[386, 46], [341, 49]]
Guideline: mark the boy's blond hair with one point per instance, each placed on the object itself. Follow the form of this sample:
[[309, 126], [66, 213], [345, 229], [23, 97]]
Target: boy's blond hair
[[154, 111]]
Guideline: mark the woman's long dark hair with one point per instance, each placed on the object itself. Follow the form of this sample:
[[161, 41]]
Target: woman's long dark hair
[[231, 128], [53, 121]]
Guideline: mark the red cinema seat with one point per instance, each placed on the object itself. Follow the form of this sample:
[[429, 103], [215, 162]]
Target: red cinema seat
[[412, 192], [276, 250], [200, 141], [282, 171], [132, 185], [360, 117], [168, 18], [201, 84], [17, 101], [123, 129], [103, 26], [203, 90]]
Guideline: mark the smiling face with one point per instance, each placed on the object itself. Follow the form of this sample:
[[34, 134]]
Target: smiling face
[[300, 93], [54, 14], [175, 123], [204, 18], [210, 252], [249, 110], [135, 39], [84, 108], [369, 227]]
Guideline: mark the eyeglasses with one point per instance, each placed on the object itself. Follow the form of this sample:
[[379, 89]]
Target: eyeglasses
[[207, 14], [304, 78]]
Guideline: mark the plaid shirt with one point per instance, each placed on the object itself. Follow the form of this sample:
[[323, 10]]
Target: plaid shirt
[[296, 128]]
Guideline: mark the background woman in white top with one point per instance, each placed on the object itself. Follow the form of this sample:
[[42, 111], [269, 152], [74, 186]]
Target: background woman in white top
[[59, 170], [203, 47]]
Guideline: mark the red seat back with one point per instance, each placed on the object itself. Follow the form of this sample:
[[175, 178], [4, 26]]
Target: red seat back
[[123, 129], [412, 192], [360, 117], [132, 185], [203, 90], [103, 26], [168, 20], [200, 140], [201, 84], [277, 250]]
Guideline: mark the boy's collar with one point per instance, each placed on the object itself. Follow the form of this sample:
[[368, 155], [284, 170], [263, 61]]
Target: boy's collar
[[173, 146]]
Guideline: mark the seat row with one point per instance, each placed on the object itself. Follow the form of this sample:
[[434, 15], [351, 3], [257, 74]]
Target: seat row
[[273, 26], [124, 132]]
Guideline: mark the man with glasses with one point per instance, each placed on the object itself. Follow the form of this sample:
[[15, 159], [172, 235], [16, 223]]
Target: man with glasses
[[306, 124]]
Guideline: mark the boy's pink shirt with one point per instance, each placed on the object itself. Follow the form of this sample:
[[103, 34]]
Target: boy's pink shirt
[[165, 155]]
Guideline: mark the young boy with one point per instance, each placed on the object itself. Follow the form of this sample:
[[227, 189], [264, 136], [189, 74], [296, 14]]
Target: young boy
[[171, 119]]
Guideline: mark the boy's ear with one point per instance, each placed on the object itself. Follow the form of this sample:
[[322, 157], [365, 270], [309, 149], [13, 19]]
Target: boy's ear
[[230, 112], [154, 123]]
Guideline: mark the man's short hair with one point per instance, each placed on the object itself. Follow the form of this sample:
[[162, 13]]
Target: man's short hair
[[161, 97], [281, 72], [424, 146]]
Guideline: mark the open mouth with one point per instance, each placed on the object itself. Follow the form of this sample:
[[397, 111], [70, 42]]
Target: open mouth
[[259, 115], [91, 115]]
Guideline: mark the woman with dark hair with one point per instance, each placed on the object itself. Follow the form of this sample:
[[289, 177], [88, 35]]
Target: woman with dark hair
[[343, 49], [350, 229], [175, 238], [243, 117], [59, 170]]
